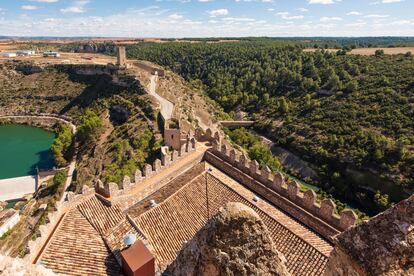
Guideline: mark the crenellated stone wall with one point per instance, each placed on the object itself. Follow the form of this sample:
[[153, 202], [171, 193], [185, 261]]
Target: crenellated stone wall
[[109, 191], [54, 218], [286, 195], [149, 68], [208, 136]]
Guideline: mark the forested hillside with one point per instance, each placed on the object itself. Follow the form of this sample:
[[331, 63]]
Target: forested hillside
[[350, 116]]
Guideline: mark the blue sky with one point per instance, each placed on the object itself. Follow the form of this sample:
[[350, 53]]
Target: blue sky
[[206, 18]]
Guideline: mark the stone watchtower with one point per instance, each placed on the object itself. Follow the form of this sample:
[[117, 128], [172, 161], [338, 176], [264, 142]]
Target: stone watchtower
[[122, 61]]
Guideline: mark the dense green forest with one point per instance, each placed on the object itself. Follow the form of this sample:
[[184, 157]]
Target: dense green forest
[[350, 116], [320, 42]]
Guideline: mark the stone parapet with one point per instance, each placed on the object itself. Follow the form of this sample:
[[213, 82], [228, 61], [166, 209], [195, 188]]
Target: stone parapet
[[286, 195], [110, 190], [207, 136], [126, 200]]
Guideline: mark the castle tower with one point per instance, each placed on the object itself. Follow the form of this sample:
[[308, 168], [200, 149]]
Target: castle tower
[[122, 61]]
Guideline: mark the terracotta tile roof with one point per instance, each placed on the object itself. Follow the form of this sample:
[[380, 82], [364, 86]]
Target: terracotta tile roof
[[77, 248], [166, 191], [177, 219], [102, 217]]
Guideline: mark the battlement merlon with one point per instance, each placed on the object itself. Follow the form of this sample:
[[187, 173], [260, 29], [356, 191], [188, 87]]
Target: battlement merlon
[[325, 211], [111, 190]]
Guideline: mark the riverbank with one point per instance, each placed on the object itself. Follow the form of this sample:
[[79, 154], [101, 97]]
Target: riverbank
[[45, 121]]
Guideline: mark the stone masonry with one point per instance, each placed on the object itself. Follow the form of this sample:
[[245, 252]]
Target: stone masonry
[[383, 245]]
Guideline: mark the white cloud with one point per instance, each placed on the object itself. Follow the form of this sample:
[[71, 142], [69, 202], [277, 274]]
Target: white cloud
[[219, 12], [356, 24], [376, 16], [238, 19], [323, 2], [391, 1], [29, 7], [156, 21], [286, 16], [175, 16], [78, 7], [45, 1], [402, 22], [330, 19], [263, 1], [354, 13]]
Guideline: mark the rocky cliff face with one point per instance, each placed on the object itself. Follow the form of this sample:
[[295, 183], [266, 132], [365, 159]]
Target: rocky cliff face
[[234, 242], [383, 245], [93, 48]]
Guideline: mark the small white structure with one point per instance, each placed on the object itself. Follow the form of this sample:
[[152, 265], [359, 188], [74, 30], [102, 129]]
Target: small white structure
[[152, 203], [43, 207], [8, 219], [25, 52], [51, 54], [18, 187], [9, 55], [130, 239]]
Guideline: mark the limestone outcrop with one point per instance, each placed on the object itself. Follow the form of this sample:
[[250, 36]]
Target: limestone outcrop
[[383, 245], [91, 48], [234, 242], [11, 266]]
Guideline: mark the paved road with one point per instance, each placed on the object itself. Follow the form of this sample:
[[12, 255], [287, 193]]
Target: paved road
[[165, 105]]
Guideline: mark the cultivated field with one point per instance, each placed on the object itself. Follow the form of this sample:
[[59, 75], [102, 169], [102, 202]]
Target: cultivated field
[[65, 58], [371, 51]]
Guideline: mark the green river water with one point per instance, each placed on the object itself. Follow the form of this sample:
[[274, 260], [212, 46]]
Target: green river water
[[22, 149]]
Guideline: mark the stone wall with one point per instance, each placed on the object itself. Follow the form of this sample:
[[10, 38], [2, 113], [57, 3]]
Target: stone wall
[[109, 191], [150, 69], [172, 138], [287, 196], [45, 120], [207, 136]]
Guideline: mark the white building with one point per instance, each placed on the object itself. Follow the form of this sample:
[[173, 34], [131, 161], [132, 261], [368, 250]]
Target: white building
[[9, 55], [8, 219], [25, 52], [51, 54]]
